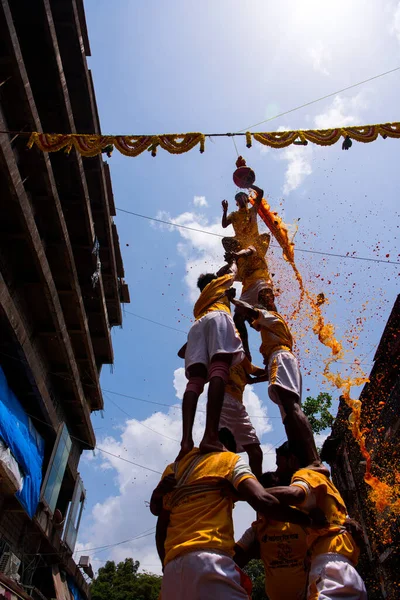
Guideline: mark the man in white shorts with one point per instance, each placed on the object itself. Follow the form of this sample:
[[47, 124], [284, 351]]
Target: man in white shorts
[[283, 372], [213, 346], [234, 414], [195, 539]]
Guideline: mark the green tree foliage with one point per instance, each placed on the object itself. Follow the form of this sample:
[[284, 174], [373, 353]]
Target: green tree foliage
[[317, 411], [255, 570], [123, 582]]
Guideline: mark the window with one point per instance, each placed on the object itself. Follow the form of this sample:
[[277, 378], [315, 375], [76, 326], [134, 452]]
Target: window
[[74, 515], [56, 469]]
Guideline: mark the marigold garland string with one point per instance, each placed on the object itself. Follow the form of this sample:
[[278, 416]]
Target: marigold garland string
[[179, 143]]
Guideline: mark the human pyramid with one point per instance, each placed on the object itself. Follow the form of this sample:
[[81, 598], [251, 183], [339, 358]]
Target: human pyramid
[[302, 532]]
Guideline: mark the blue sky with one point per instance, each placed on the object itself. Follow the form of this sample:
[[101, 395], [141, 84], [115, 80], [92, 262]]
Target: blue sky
[[215, 67]]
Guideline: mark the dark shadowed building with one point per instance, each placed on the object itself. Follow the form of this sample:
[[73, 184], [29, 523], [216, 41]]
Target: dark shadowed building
[[61, 288], [380, 561]]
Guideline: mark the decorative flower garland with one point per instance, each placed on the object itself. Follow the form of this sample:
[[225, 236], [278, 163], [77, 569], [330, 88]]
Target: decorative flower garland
[[179, 143], [129, 145]]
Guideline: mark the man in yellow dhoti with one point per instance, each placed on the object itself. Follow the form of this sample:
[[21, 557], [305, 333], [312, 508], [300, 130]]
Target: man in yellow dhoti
[[244, 220], [254, 275]]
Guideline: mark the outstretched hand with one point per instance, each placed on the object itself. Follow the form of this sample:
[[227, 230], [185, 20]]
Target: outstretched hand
[[230, 257], [258, 190], [224, 205]]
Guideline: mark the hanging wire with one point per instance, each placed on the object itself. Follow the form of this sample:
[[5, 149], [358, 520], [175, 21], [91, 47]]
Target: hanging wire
[[318, 252], [321, 98], [234, 143]]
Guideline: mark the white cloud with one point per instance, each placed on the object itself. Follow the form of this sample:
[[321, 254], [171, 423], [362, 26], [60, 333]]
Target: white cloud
[[298, 168], [202, 252], [200, 201], [395, 25], [263, 149], [164, 220], [319, 57], [342, 112], [125, 514]]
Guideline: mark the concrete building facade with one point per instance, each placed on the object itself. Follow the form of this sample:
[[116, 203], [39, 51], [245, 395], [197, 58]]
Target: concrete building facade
[[61, 289]]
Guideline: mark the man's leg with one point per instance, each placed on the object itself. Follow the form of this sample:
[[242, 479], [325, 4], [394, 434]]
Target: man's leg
[[218, 376], [297, 427], [197, 378], [256, 456], [267, 298], [240, 323], [285, 389]]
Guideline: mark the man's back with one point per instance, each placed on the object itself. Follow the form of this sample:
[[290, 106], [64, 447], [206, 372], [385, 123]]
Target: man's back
[[213, 298], [201, 504], [321, 493], [283, 550]]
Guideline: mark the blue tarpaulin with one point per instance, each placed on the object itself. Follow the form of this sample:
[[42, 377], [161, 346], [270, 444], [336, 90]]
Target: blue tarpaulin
[[74, 589], [25, 444]]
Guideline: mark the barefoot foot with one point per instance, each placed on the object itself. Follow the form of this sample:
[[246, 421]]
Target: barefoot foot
[[185, 449], [210, 445]]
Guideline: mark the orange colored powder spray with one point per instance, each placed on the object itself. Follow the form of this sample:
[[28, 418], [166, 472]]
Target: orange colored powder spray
[[381, 494]]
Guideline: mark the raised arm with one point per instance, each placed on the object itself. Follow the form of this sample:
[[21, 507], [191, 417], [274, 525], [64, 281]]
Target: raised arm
[[225, 219], [259, 196]]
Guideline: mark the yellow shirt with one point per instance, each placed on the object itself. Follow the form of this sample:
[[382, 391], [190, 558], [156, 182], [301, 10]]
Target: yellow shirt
[[321, 493], [251, 269], [213, 297], [238, 378], [275, 333], [283, 550], [244, 223], [201, 504]]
